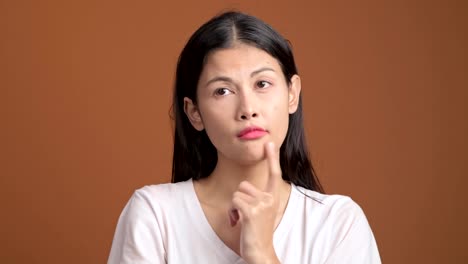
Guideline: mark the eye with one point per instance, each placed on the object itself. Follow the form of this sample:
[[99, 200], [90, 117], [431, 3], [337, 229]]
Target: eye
[[222, 91], [263, 84]]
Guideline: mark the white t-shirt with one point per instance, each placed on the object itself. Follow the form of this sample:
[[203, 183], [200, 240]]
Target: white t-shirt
[[165, 224]]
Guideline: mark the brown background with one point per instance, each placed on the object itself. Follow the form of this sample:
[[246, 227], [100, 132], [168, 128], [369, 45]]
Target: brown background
[[85, 96]]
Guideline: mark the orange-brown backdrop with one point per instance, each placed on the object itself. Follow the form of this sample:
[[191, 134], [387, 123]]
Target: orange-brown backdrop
[[85, 97]]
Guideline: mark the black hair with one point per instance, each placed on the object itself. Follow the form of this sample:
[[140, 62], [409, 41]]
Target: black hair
[[194, 155]]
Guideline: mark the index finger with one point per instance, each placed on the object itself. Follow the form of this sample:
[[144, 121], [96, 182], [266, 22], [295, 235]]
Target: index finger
[[274, 168]]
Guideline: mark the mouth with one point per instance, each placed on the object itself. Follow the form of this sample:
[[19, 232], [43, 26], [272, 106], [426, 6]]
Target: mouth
[[252, 132]]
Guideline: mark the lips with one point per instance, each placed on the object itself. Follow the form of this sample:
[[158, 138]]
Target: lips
[[252, 132]]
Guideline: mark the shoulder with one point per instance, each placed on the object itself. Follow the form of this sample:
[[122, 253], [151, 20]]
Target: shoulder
[[142, 229], [344, 225], [163, 191], [156, 198], [332, 204], [337, 214]]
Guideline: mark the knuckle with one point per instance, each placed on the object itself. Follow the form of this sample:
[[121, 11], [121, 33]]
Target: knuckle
[[236, 194], [254, 211], [236, 200], [243, 184]]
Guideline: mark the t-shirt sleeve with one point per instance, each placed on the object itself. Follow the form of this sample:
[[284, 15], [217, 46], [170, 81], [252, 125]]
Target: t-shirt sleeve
[[357, 244], [137, 238]]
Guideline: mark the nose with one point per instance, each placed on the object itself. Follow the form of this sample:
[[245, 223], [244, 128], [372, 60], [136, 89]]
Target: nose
[[248, 116], [247, 107]]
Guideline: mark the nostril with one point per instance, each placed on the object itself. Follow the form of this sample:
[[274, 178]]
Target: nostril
[[254, 115], [243, 117]]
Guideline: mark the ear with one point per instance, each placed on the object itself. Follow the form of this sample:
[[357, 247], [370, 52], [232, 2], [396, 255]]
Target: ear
[[294, 93], [193, 114]]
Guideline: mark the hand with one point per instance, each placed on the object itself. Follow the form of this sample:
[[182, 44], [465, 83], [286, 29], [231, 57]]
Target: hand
[[256, 210]]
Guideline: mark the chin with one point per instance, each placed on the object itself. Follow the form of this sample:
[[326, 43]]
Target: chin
[[244, 154], [249, 162], [249, 158]]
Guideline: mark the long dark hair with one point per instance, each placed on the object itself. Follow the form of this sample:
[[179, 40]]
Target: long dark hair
[[194, 155]]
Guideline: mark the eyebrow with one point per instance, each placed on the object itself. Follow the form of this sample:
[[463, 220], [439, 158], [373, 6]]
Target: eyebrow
[[227, 79], [261, 70]]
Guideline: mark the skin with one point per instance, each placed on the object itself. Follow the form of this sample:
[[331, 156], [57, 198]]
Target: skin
[[245, 197]]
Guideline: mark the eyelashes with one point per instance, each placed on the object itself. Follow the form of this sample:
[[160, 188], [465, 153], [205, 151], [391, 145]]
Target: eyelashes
[[223, 91], [263, 84]]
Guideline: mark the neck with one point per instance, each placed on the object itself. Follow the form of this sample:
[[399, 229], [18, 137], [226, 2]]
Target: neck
[[227, 175]]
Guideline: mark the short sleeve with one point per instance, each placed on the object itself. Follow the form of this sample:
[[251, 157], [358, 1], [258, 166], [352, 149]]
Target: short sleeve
[[137, 237], [357, 244]]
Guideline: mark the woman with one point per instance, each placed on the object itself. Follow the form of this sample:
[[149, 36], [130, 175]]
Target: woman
[[244, 190]]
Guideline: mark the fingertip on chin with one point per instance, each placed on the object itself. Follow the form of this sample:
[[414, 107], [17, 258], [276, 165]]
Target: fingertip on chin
[[270, 145]]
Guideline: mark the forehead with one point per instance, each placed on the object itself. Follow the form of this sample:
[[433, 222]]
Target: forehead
[[240, 58]]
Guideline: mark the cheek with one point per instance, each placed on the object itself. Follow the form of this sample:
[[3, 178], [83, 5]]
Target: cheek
[[216, 125], [279, 118], [282, 123], [277, 106]]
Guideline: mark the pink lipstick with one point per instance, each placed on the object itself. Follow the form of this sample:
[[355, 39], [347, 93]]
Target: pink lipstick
[[252, 132]]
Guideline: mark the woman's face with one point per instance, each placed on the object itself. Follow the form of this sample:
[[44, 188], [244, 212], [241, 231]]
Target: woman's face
[[243, 101]]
